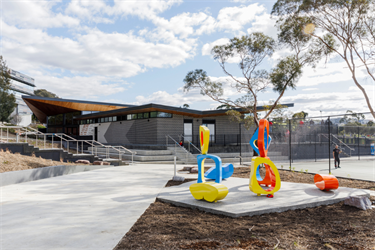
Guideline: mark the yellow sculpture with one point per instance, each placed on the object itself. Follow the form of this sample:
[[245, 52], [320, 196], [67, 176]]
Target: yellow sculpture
[[202, 190]]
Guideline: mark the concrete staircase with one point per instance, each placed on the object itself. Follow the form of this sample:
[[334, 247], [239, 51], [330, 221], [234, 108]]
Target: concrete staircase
[[183, 155]]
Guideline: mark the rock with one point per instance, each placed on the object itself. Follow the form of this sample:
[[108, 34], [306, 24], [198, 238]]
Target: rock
[[100, 163], [361, 202], [194, 170], [83, 161], [186, 168]]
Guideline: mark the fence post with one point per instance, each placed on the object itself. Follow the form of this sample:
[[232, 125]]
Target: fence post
[[329, 144], [315, 145], [358, 144], [224, 140], [290, 146], [240, 136]]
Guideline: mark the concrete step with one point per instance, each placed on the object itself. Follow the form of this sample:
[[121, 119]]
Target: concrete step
[[138, 151]]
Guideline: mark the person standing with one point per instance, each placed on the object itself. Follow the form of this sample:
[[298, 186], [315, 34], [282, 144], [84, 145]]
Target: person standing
[[336, 153]]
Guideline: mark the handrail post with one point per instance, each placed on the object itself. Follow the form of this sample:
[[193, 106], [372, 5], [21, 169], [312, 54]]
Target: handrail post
[[67, 145], [77, 147], [44, 142], [82, 147], [7, 134], [52, 140], [61, 143]]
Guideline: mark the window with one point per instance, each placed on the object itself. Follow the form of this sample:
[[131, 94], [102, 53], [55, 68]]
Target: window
[[140, 116], [134, 117], [109, 119], [164, 115], [105, 119], [101, 119], [146, 115], [114, 119], [153, 114]]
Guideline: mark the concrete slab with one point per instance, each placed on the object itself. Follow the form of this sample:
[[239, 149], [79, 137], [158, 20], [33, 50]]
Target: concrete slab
[[87, 210], [240, 201], [350, 168]]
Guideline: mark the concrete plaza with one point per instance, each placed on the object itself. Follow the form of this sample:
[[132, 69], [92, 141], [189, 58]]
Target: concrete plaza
[[87, 210]]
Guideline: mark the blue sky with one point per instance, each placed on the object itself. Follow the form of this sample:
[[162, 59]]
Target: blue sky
[[139, 52]]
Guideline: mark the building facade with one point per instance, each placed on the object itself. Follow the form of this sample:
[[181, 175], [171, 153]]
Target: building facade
[[21, 84], [129, 125]]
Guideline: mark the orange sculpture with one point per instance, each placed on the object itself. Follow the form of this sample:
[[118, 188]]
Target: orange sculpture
[[326, 182]]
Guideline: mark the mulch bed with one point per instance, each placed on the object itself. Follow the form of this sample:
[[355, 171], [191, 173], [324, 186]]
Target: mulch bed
[[337, 226]]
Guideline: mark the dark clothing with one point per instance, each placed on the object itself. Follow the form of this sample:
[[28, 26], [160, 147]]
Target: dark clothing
[[338, 162], [336, 152]]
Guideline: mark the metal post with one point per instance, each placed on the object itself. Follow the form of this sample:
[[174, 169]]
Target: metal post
[[315, 145], [92, 147], [7, 134], [290, 145], [52, 140], [224, 140], [329, 144], [77, 147], [82, 147], [175, 168], [44, 142], [358, 145], [17, 135], [67, 146], [132, 157], [61, 143], [240, 136]]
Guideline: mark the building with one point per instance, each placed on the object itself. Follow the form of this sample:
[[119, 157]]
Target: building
[[20, 85], [131, 125]]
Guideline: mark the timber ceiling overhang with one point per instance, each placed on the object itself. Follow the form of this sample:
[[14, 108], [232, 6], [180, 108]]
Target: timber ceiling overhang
[[168, 109], [43, 106]]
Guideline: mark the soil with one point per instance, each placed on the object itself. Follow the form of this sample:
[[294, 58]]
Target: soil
[[337, 226], [16, 162]]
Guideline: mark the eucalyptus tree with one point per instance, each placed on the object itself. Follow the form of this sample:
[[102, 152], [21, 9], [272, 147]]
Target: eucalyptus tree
[[345, 27], [250, 52], [7, 99]]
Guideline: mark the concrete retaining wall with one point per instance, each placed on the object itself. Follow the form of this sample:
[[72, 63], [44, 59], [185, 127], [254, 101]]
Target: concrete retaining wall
[[14, 177]]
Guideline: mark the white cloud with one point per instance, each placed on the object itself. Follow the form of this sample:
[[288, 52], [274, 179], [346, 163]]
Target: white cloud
[[35, 14], [264, 23], [79, 87], [206, 49], [240, 1], [96, 53], [310, 89]]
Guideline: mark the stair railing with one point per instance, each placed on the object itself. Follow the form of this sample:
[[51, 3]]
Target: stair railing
[[190, 143], [61, 137], [176, 144], [341, 143]]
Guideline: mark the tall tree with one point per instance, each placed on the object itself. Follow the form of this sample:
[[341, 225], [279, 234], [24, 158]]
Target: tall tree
[[7, 99], [251, 51], [345, 27], [44, 93]]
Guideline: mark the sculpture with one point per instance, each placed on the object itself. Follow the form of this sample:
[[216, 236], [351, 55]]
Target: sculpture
[[209, 191], [272, 177]]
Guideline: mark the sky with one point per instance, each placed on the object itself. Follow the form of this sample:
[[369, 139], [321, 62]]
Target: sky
[[139, 52]]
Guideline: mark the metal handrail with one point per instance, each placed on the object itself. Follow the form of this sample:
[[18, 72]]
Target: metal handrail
[[190, 143], [70, 139], [341, 142], [177, 144]]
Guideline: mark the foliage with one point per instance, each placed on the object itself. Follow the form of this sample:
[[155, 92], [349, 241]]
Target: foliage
[[7, 99], [250, 51], [185, 106], [44, 93], [370, 123], [301, 115], [345, 28], [352, 119]]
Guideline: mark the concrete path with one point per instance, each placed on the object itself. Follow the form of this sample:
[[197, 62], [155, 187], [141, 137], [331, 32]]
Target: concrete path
[[88, 210], [350, 168]]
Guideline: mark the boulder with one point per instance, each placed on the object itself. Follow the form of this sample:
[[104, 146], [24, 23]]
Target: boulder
[[361, 202], [100, 163], [194, 170], [83, 161]]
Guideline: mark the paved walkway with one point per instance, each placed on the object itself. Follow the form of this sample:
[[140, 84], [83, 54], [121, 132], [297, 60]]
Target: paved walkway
[[88, 210], [351, 168]]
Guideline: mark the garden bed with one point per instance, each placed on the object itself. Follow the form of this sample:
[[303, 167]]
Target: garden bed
[[165, 226]]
